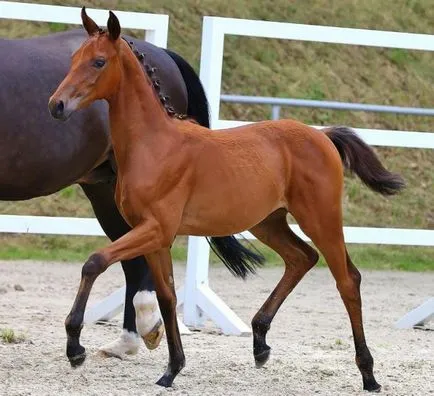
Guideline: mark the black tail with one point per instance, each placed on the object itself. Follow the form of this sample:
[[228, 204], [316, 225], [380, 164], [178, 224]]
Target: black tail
[[237, 258], [359, 158], [197, 103]]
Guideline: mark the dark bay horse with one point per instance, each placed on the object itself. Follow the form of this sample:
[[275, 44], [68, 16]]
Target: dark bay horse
[[39, 156], [263, 171]]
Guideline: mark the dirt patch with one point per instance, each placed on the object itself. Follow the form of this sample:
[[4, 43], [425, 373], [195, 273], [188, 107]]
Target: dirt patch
[[310, 336]]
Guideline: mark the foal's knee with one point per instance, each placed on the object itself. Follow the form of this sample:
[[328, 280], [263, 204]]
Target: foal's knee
[[94, 266]]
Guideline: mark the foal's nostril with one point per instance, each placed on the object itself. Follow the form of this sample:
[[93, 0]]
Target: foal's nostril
[[60, 107]]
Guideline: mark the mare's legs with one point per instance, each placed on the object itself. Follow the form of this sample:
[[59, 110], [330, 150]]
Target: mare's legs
[[139, 285], [321, 220], [299, 258], [146, 237]]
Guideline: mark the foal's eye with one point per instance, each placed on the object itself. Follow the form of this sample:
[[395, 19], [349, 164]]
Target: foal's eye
[[99, 63]]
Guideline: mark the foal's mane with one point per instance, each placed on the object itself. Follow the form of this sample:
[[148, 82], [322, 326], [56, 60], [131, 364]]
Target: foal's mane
[[150, 71]]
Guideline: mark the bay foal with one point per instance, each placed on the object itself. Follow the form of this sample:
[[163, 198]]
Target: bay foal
[[174, 177]]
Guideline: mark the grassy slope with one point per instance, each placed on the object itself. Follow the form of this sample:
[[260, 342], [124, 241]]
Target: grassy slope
[[292, 69]]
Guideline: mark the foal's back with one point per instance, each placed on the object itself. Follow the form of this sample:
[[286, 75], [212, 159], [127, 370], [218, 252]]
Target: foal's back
[[267, 144]]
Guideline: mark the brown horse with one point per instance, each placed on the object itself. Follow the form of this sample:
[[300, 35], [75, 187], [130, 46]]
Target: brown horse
[[171, 173]]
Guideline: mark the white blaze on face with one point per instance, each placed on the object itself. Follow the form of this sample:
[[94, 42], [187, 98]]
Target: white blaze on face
[[147, 312], [127, 344]]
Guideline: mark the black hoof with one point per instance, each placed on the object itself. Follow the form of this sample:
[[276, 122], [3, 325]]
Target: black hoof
[[77, 360], [165, 381], [262, 357], [76, 355], [374, 387]]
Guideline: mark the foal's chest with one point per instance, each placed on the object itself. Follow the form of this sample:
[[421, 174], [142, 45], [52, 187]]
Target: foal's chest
[[132, 200]]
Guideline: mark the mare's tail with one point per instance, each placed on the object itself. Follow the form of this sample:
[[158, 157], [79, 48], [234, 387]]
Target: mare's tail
[[198, 108], [235, 256], [359, 158], [238, 259]]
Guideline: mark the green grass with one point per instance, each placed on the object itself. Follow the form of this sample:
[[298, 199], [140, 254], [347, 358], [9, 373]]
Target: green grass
[[399, 56], [54, 248], [57, 27], [49, 248], [408, 258], [285, 68], [8, 336]]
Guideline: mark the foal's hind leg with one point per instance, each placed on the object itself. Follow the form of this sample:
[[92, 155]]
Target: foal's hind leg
[[324, 227], [299, 258]]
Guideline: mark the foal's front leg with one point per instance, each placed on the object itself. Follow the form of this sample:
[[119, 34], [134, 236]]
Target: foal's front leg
[[142, 239], [160, 265]]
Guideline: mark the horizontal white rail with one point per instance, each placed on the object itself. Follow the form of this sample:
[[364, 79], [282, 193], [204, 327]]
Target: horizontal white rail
[[90, 227], [374, 137], [18, 224], [156, 25], [374, 235], [324, 34]]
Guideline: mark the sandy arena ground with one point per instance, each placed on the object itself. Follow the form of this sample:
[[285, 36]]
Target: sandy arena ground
[[311, 338]]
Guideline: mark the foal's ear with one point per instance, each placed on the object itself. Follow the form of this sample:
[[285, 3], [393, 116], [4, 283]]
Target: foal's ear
[[88, 23], [113, 27]]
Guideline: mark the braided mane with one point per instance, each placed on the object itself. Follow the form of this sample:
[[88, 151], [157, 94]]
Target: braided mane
[[150, 71]]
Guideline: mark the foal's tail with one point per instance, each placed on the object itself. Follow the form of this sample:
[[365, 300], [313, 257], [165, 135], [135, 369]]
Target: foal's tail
[[358, 157]]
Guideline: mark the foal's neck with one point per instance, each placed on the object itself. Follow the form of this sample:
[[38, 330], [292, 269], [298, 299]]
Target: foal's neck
[[137, 117]]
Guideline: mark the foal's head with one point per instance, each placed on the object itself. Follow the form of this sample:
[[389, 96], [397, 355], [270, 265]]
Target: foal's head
[[95, 70]]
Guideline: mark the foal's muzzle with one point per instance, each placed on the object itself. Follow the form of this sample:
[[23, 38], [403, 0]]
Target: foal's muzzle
[[57, 109]]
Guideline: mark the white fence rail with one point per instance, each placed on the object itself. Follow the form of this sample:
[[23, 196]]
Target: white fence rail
[[19, 224], [374, 137], [156, 26]]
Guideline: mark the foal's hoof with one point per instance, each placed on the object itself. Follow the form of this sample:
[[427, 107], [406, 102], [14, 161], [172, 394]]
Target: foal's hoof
[[166, 381], [153, 338], [77, 360], [374, 387], [262, 357]]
